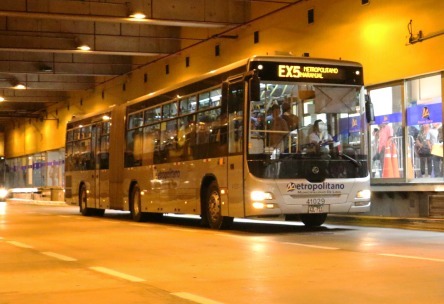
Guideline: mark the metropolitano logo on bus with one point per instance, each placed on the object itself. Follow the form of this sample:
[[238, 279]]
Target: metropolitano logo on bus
[[326, 188]]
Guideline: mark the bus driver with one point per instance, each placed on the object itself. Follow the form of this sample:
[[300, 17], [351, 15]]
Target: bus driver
[[320, 137]]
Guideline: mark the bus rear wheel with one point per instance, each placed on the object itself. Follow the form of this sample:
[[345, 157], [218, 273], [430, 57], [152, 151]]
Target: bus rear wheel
[[313, 220], [136, 205], [83, 202], [212, 214]]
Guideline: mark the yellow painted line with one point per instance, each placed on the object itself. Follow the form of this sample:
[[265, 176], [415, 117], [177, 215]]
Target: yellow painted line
[[312, 246], [241, 237], [194, 298], [185, 230], [18, 244], [59, 256], [138, 225], [412, 257], [117, 274]]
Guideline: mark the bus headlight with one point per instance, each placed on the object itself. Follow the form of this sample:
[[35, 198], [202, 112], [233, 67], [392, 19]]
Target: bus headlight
[[3, 193], [260, 196], [364, 194]]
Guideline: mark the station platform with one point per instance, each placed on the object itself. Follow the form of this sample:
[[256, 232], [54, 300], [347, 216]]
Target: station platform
[[52, 196]]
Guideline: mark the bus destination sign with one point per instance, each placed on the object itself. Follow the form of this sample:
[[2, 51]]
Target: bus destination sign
[[297, 71], [309, 72]]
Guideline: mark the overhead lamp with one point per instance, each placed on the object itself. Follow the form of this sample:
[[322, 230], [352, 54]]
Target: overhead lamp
[[138, 16], [2, 99], [84, 48], [20, 86]]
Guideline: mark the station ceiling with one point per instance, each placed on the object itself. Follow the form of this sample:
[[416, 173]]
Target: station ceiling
[[40, 40]]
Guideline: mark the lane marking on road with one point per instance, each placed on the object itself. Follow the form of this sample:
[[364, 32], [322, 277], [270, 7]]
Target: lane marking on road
[[59, 256], [139, 225], [18, 244], [194, 298], [287, 243], [242, 237], [312, 246], [185, 230], [411, 257], [117, 274]]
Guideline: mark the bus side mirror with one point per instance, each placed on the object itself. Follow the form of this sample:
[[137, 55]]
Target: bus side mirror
[[369, 113], [254, 88]]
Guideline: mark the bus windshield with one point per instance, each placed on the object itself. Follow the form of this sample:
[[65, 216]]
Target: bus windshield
[[296, 125]]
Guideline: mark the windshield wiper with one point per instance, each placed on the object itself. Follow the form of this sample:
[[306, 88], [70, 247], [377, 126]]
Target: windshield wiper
[[354, 161]]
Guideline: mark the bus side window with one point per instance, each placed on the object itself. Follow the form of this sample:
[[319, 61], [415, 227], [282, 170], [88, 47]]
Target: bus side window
[[133, 152], [186, 136], [218, 134], [203, 127], [168, 138], [151, 145], [150, 137], [135, 120]]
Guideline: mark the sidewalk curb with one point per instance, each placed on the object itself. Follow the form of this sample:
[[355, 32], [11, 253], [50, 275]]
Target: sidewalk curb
[[35, 202], [383, 222]]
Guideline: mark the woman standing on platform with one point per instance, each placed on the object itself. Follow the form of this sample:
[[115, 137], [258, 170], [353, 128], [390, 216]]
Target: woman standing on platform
[[384, 134], [423, 148]]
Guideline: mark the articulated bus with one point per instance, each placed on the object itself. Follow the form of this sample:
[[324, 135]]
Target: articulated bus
[[220, 146]]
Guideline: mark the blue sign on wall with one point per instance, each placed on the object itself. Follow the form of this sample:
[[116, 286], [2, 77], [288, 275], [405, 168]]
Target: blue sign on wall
[[350, 125], [388, 118], [422, 114]]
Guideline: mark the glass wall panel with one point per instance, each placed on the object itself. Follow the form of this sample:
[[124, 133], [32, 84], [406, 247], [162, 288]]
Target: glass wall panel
[[387, 133], [424, 120]]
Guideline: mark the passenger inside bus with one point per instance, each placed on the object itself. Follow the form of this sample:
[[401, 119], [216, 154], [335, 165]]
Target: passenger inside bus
[[319, 137], [256, 136], [278, 128], [291, 119]]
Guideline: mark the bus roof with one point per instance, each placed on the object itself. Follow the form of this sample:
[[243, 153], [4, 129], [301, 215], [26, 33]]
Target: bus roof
[[304, 60], [89, 115], [244, 62], [233, 66]]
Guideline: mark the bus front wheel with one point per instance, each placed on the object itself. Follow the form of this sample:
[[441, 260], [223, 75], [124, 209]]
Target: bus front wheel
[[212, 214], [313, 220]]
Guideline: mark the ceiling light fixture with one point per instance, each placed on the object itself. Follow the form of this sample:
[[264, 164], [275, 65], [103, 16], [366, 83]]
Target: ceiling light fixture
[[138, 16], [2, 99], [84, 48], [20, 86]]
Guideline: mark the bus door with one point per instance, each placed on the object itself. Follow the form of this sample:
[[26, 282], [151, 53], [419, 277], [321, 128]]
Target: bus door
[[235, 107], [101, 172], [95, 188]]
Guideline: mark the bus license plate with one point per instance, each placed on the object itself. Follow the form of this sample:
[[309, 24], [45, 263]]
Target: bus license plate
[[316, 209]]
